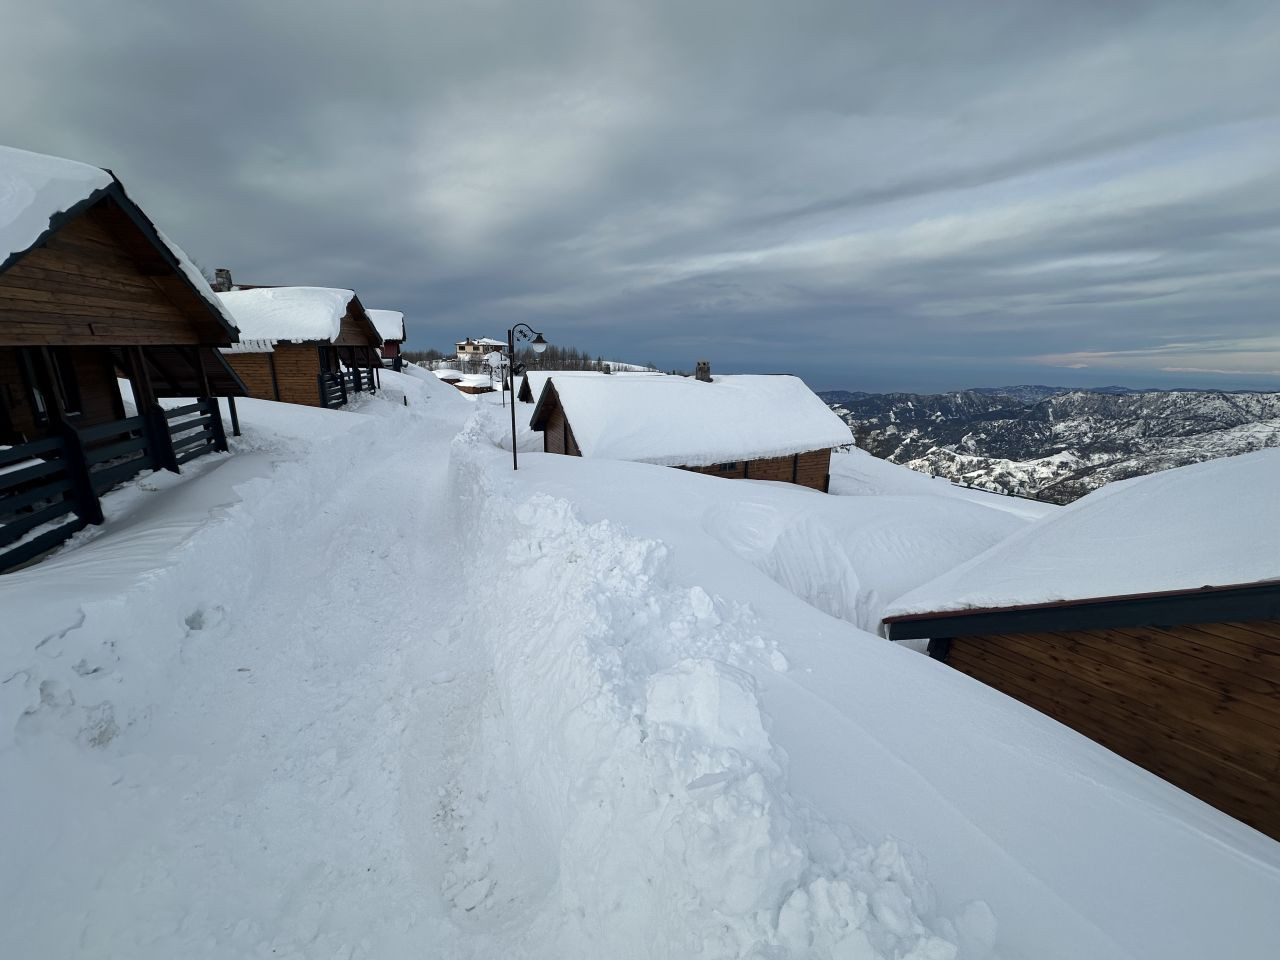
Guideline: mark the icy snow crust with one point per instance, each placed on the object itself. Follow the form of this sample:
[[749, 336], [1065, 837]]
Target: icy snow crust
[[298, 314], [360, 691], [1209, 524], [34, 188], [388, 323], [680, 421]]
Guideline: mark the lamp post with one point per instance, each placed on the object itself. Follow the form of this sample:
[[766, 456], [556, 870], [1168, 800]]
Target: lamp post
[[524, 333]]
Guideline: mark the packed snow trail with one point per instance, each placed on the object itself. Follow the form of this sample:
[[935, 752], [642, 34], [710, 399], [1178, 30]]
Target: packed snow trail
[[255, 712]]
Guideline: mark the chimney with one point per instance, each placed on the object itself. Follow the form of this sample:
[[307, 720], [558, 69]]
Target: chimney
[[702, 371], [222, 279]]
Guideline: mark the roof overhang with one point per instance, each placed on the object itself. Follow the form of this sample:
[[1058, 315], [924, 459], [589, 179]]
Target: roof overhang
[[132, 215], [1255, 601]]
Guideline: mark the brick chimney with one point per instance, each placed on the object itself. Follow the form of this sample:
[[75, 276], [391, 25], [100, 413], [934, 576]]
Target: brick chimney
[[222, 279], [702, 371]]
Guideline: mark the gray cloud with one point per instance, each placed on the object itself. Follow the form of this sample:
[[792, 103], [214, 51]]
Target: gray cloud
[[875, 195]]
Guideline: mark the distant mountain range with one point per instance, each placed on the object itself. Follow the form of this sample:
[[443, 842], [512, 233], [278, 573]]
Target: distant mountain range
[[1056, 443]]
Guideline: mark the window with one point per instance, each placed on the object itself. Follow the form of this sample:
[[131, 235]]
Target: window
[[727, 467]]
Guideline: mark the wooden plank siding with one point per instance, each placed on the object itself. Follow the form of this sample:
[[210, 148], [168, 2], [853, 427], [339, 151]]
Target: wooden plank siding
[[810, 469], [297, 367], [86, 287], [1197, 704], [256, 370], [98, 391]]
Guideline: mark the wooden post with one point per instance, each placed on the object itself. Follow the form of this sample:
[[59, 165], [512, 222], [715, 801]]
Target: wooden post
[[235, 418], [88, 506], [219, 430]]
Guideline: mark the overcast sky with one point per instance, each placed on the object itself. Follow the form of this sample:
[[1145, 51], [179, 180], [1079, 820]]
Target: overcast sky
[[873, 195]]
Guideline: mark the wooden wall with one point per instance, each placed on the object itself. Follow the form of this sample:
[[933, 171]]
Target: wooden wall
[[297, 367], [255, 370], [85, 286], [95, 376], [297, 370], [1198, 705], [810, 469]]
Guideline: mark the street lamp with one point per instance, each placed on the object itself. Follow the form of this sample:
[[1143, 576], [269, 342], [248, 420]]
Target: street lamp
[[524, 333]]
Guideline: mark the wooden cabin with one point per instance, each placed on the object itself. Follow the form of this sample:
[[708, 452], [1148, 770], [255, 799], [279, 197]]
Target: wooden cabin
[[738, 427], [390, 327], [314, 346], [90, 291], [1146, 618]]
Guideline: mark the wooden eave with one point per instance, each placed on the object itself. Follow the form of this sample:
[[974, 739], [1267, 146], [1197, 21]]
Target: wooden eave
[[1253, 601], [140, 238], [548, 400], [357, 329]]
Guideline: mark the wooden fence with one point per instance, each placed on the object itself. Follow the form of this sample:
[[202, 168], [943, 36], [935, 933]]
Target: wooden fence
[[62, 477]]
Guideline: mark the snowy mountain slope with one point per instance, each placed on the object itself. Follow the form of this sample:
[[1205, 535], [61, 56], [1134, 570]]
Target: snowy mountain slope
[[360, 690], [1057, 444]]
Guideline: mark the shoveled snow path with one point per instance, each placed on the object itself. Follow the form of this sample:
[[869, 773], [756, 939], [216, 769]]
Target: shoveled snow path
[[275, 796]]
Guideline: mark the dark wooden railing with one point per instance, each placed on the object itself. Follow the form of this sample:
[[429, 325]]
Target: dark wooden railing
[[64, 475], [36, 488], [196, 429], [333, 391], [359, 379]]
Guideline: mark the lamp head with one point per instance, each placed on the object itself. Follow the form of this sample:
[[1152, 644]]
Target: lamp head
[[538, 344]]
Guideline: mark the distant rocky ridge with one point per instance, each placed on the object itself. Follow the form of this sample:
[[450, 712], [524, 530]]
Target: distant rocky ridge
[[1056, 443]]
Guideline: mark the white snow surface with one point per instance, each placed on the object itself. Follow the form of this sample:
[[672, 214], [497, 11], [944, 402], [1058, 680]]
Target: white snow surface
[[538, 378], [683, 421], [35, 187], [1209, 524], [298, 314], [358, 690], [388, 323]]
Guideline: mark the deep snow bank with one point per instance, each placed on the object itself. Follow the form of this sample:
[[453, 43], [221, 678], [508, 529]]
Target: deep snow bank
[[629, 703], [671, 716]]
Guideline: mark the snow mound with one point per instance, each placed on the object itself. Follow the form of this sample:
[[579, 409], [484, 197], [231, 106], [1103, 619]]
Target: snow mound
[[645, 761], [288, 313]]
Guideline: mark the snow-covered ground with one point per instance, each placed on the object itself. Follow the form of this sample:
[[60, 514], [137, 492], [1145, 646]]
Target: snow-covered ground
[[359, 690]]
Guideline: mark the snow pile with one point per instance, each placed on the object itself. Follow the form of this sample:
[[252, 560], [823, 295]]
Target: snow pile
[[856, 473], [686, 422], [388, 323], [1209, 524], [299, 314], [627, 703]]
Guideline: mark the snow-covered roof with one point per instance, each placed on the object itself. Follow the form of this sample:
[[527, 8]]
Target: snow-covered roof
[[680, 421], [388, 323], [448, 374], [1210, 524], [538, 378], [299, 314], [483, 341], [35, 188]]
